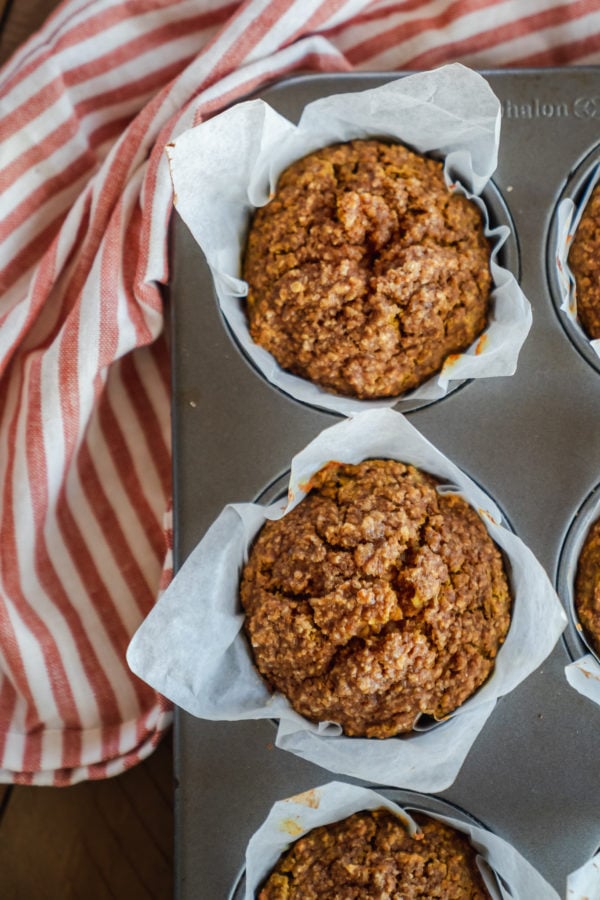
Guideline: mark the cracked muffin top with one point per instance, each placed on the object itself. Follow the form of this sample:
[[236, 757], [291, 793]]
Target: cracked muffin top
[[365, 272], [376, 600], [371, 855]]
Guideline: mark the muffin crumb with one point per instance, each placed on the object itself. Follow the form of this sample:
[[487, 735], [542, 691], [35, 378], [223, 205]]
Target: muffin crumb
[[370, 854], [375, 600], [365, 271]]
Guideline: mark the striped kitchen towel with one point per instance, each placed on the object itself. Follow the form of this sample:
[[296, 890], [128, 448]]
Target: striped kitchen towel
[[86, 108]]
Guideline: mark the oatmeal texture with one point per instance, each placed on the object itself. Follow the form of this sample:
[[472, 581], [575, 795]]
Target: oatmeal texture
[[371, 855], [584, 262], [365, 271], [375, 600], [587, 586]]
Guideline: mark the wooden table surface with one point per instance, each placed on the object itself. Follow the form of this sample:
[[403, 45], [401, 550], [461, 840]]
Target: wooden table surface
[[95, 840]]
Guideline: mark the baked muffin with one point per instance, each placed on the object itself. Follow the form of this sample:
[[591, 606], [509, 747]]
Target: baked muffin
[[371, 855], [584, 262], [587, 587], [365, 272], [375, 600]]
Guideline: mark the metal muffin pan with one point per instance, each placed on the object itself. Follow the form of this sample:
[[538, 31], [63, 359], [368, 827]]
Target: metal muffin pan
[[575, 638], [531, 440]]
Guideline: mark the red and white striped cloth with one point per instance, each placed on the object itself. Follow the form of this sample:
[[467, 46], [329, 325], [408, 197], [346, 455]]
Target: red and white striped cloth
[[86, 107]]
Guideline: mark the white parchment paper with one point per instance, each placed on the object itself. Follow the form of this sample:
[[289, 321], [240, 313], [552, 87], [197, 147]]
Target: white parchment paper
[[568, 216], [289, 819], [227, 166], [584, 676], [191, 647], [584, 883]]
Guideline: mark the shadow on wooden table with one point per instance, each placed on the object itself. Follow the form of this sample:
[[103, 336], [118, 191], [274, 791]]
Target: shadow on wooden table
[[18, 20], [94, 840]]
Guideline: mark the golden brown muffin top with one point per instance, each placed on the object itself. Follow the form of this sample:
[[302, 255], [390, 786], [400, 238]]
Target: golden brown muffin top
[[371, 855], [375, 600], [365, 271]]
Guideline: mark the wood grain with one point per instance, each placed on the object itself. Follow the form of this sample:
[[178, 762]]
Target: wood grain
[[94, 840]]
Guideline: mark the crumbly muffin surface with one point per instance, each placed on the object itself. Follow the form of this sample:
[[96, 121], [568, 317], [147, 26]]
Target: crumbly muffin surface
[[584, 262], [365, 271], [587, 586], [375, 600], [371, 855]]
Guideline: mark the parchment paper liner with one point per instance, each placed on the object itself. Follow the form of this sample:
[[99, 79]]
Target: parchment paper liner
[[584, 676], [584, 883], [568, 217], [290, 819], [191, 647], [227, 166]]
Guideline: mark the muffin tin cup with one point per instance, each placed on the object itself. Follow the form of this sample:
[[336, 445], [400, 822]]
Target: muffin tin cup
[[569, 211], [222, 683], [233, 161], [583, 673], [589, 511], [505, 873]]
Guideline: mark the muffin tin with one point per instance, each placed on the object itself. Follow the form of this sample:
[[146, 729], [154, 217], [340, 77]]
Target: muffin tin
[[531, 440]]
